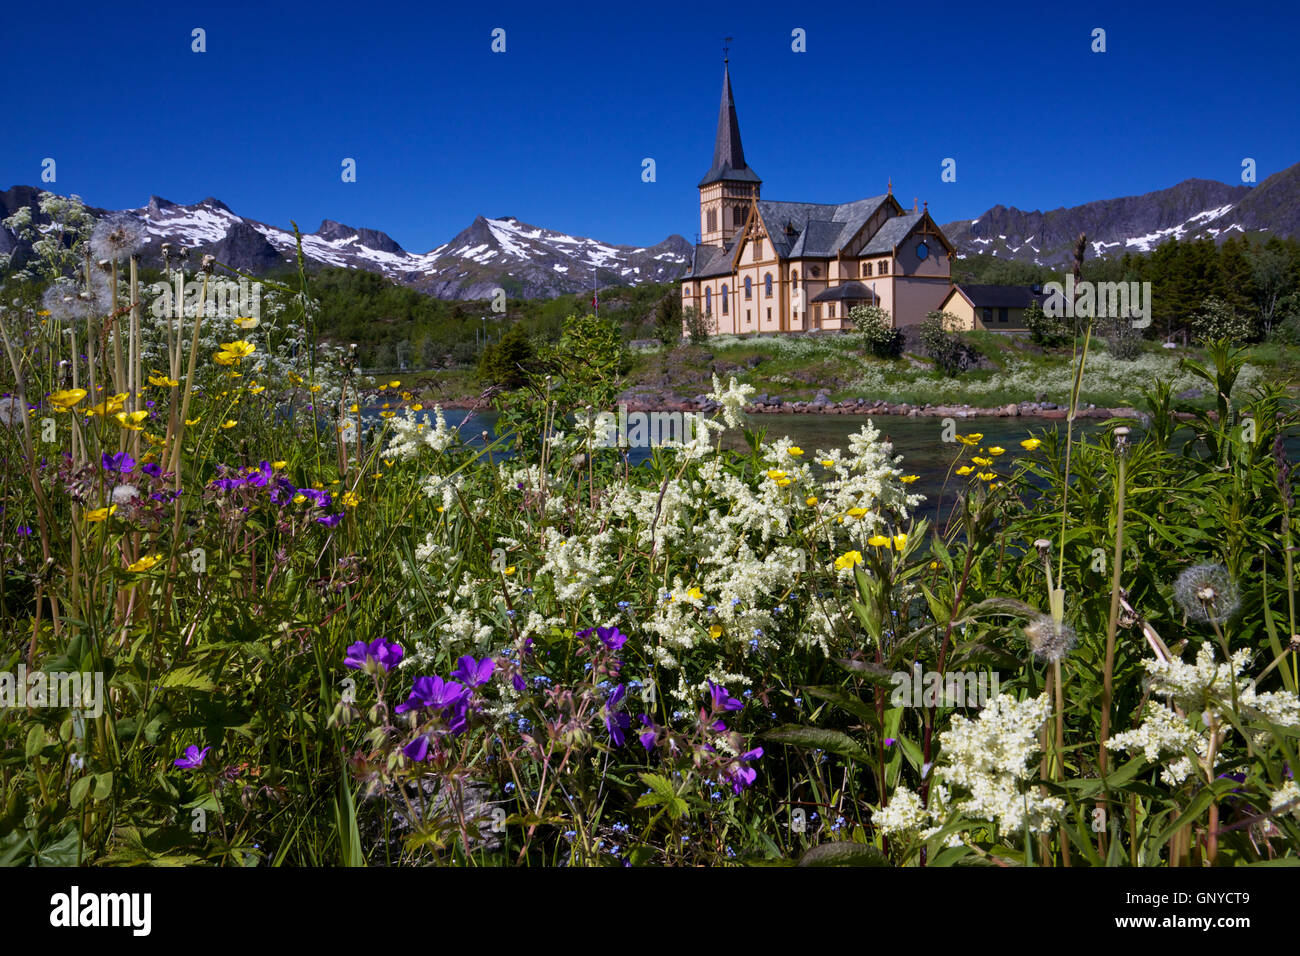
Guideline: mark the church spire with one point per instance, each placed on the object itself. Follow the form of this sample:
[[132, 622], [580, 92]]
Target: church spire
[[728, 156]]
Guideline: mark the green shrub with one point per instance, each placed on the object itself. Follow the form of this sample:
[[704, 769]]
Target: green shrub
[[879, 336], [941, 345], [1045, 330], [508, 361], [1217, 319]]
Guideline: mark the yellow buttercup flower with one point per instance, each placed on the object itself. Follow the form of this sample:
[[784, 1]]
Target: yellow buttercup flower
[[996, 450], [225, 358], [248, 322], [229, 423], [696, 594], [856, 512], [99, 514], [878, 541], [509, 571], [162, 381], [986, 476], [775, 475], [972, 439], [983, 462], [810, 501], [193, 421], [110, 406], [407, 396], [828, 463], [795, 450], [387, 414], [715, 631], [350, 499], [132, 420], [965, 470], [299, 499], [1029, 444], [355, 407], [849, 558], [416, 407], [145, 563], [295, 378], [239, 348], [314, 389], [65, 399], [277, 465], [899, 541], [257, 389], [908, 479]]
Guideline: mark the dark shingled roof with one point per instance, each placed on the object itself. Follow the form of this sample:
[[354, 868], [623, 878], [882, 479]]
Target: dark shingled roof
[[728, 156], [712, 261], [846, 290], [891, 234], [1001, 296]]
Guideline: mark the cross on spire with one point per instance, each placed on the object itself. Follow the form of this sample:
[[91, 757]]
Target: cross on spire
[[726, 49]]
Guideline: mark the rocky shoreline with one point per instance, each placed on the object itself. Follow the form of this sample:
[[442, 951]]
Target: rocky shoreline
[[822, 405]]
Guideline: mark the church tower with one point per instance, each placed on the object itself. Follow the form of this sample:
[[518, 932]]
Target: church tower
[[728, 187]]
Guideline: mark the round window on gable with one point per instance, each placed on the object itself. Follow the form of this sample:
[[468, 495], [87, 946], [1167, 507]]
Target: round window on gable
[[922, 250]]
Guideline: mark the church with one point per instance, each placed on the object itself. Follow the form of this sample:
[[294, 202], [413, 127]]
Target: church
[[766, 266]]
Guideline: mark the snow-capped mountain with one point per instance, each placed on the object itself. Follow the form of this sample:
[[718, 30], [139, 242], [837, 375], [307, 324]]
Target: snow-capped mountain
[[525, 260], [1193, 209]]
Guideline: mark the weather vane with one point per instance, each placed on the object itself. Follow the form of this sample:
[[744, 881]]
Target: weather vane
[[726, 48]]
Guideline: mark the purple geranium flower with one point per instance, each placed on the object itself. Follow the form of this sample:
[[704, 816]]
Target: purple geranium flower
[[418, 749], [24, 530], [616, 722], [611, 637], [740, 776], [472, 672], [722, 700], [260, 476], [330, 521], [120, 463], [650, 735], [517, 681], [385, 653], [152, 469], [433, 693], [193, 758]]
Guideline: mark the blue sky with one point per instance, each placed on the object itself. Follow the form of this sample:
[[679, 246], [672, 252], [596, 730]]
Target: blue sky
[[554, 130]]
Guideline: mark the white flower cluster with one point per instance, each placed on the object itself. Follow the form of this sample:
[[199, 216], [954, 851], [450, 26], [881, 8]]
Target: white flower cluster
[[989, 759], [411, 435], [1288, 795], [1163, 733]]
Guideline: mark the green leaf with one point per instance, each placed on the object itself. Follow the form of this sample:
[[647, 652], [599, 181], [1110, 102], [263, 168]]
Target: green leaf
[[188, 677], [79, 789], [844, 853], [844, 701], [35, 741], [817, 738], [103, 785]]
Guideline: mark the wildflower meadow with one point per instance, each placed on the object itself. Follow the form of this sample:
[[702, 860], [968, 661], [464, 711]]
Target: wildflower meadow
[[330, 629]]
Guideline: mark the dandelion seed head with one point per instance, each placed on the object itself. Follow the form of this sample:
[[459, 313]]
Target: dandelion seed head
[[1207, 593], [117, 238], [1048, 639]]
